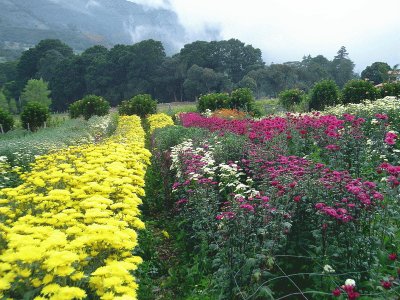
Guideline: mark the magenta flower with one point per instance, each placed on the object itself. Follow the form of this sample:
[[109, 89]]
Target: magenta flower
[[392, 256], [336, 292], [386, 284]]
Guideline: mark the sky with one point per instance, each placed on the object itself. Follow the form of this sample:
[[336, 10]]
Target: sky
[[286, 30]]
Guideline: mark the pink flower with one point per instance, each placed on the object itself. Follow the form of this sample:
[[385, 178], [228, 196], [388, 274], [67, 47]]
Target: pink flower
[[390, 138], [333, 147], [386, 284], [336, 292], [382, 116], [392, 256]]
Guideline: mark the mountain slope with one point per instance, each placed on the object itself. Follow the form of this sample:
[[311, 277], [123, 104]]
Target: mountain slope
[[82, 23]]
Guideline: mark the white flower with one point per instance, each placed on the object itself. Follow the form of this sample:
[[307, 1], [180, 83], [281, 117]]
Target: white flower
[[328, 269], [350, 282]]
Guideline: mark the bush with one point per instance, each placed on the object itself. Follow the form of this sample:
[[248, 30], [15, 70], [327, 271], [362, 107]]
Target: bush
[[6, 120], [213, 101], [289, 98], [390, 89], [90, 105], [34, 115], [324, 93], [242, 99], [140, 105], [354, 91]]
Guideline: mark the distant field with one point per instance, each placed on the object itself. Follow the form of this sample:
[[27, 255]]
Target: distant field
[[266, 106]]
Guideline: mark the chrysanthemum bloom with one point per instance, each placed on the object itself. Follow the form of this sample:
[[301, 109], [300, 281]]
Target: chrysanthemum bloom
[[386, 284], [336, 292], [392, 256]]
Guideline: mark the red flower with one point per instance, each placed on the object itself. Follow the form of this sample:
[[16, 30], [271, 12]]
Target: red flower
[[392, 256], [336, 292], [386, 284]]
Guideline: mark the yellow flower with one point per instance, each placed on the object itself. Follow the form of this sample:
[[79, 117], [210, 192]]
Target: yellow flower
[[165, 233]]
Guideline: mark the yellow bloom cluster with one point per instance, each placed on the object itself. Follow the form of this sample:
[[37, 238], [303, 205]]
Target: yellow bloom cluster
[[69, 230], [158, 121]]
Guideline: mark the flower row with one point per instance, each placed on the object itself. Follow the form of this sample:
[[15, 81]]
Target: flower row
[[69, 230]]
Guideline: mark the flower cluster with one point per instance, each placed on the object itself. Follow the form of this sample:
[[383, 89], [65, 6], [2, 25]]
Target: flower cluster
[[159, 121], [69, 230]]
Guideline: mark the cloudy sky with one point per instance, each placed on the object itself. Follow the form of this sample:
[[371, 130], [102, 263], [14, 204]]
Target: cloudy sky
[[285, 30]]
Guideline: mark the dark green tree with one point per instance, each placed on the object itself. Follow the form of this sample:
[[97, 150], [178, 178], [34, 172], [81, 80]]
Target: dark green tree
[[204, 81], [342, 67], [68, 84], [357, 90], [140, 105], [324, 93], [289, 98], [29, 63], [34, 115], [376, 73], [6, 120]]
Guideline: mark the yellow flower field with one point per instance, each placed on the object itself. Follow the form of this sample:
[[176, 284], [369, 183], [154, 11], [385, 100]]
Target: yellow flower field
[[69, 230]]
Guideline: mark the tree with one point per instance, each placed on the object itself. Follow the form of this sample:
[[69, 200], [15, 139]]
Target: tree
[[8, 72], [324, 93], [204, 81], [342, 67], [68, 84], [231, 57], [169, 79], [34, 115], [3, 102], [357, 90], [13, 107], [29, 63], [36, 90], [289, 98], [376, 73], [314, 69]]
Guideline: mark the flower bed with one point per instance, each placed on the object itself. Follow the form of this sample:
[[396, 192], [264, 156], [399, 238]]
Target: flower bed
[[69, 230]]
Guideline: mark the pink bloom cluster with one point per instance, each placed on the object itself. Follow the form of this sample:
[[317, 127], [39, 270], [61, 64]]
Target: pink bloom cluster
[[390, 138]]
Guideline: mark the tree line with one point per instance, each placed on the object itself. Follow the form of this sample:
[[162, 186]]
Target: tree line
[[143, 68]]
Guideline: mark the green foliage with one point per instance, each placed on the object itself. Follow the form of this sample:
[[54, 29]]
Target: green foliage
[[377, 72], [355, 91], [289, 98], [90, 105], [390, 89], [20, 147], [34, 115], [3, 102], [324, 93], [213, 101], [12, 105], [141, 105], [6, 120], [204, 81], [36, 90], [242, 99]]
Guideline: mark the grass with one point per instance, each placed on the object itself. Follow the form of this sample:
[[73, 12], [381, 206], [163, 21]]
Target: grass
[[174, 108]]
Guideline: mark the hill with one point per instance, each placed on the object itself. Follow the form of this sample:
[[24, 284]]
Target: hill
[[83, 23]]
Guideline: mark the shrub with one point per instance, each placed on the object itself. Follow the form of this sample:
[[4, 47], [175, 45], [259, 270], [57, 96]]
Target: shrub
[[213, 101], [140, 105], [390, 89], [90, 105], [6, 120], [289, 98], [354, 91], [34, 115], [242, 99], [324, 93]]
